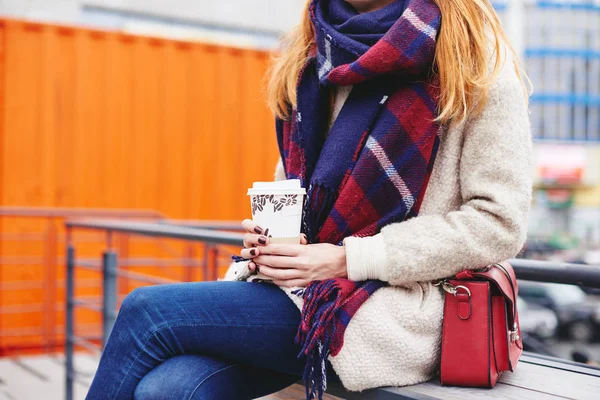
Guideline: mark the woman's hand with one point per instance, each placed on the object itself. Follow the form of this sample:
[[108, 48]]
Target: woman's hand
[[299, 264], [257, 236]]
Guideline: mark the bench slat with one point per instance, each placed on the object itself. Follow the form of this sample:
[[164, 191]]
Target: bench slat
[[536, 378], [565, 365], [294, 392], [388, 393], [508, 392], [531, 381], [553, 380]]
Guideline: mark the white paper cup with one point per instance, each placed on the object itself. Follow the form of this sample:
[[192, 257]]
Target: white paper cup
[[277, 206]]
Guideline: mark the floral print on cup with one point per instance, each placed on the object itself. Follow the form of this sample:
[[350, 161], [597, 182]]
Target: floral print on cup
[[260, 201]]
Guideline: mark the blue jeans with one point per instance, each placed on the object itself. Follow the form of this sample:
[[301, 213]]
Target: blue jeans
[[205, 340]]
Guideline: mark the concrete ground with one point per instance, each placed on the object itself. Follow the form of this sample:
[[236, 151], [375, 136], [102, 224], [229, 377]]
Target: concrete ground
[[43, 377]]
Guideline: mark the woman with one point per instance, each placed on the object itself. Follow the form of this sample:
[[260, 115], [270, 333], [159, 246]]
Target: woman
[[407, 123]]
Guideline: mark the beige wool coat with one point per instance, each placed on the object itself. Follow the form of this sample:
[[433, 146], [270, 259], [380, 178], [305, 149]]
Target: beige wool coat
[[474, 214]]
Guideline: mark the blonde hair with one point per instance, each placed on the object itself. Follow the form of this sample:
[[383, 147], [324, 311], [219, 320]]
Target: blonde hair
[[461, 59]]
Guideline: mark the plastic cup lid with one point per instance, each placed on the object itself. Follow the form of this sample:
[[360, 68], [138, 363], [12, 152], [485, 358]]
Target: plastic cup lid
[[289, 186]]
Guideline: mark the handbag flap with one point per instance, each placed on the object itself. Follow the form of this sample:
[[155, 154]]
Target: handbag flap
[[504, 278], [503, 275]]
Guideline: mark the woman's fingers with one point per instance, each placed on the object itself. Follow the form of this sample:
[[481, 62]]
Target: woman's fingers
[[252, 266], [274, 261], [250, 252], [252, 240], [279, 273], [283, 249], [303, 239], [292, 282], [253, 229], [250, 226]]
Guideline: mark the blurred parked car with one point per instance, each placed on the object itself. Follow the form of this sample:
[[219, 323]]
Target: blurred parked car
[[536, 320], [578, 318]]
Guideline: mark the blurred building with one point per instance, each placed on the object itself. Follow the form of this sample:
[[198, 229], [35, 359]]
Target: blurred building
[[559, 42], [242, 23]]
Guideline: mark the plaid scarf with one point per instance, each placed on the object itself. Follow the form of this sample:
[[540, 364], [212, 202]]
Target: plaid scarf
[[374, 166]]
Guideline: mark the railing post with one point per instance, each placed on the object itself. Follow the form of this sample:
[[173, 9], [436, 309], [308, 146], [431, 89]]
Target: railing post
[[205, 261], [215, 262], [109, 296], [123, 283], [189, 262], [69, 372]]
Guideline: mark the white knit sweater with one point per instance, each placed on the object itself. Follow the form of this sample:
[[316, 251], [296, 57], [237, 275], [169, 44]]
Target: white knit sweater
[[474, 213]]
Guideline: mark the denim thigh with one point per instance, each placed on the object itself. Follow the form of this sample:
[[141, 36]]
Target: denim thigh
[[247, 323], [199, 377]]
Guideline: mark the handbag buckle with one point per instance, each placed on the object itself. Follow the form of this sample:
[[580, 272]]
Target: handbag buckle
[[453, 290]]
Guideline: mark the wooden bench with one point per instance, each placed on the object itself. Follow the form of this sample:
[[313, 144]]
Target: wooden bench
[[537, 378]]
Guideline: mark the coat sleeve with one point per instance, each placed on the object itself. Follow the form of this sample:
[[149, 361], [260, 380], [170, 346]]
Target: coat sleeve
[[491, 224]]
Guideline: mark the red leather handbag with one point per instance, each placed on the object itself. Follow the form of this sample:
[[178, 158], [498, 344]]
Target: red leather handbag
[[481, 336]]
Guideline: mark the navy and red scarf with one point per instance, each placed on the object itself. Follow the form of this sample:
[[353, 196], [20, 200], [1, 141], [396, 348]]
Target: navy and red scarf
[[373, 167]]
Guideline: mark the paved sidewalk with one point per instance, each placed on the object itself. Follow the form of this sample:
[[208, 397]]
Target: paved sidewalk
[[43, 377]]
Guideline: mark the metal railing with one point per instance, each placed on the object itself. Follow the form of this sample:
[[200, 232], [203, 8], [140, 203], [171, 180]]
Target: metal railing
[[31, 240], [210, 234]]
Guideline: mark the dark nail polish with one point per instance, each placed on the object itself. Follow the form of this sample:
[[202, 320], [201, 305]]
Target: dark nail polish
[[258, 230], [262, 240], [267, 232], [253, 252]]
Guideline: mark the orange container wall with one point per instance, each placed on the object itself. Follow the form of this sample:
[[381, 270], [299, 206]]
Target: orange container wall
[[102, 119]]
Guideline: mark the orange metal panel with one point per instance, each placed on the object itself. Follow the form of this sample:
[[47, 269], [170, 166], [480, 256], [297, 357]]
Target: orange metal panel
[[47, 140], [270, 153], [256, 129], [228, 144], [173, 134], [147, 121], [2, 138], [83, 129], [197, 122], [64, 96], [22, 169], [203, 95], [92, 100], [46, 135], [100, 119], [119, 106]]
